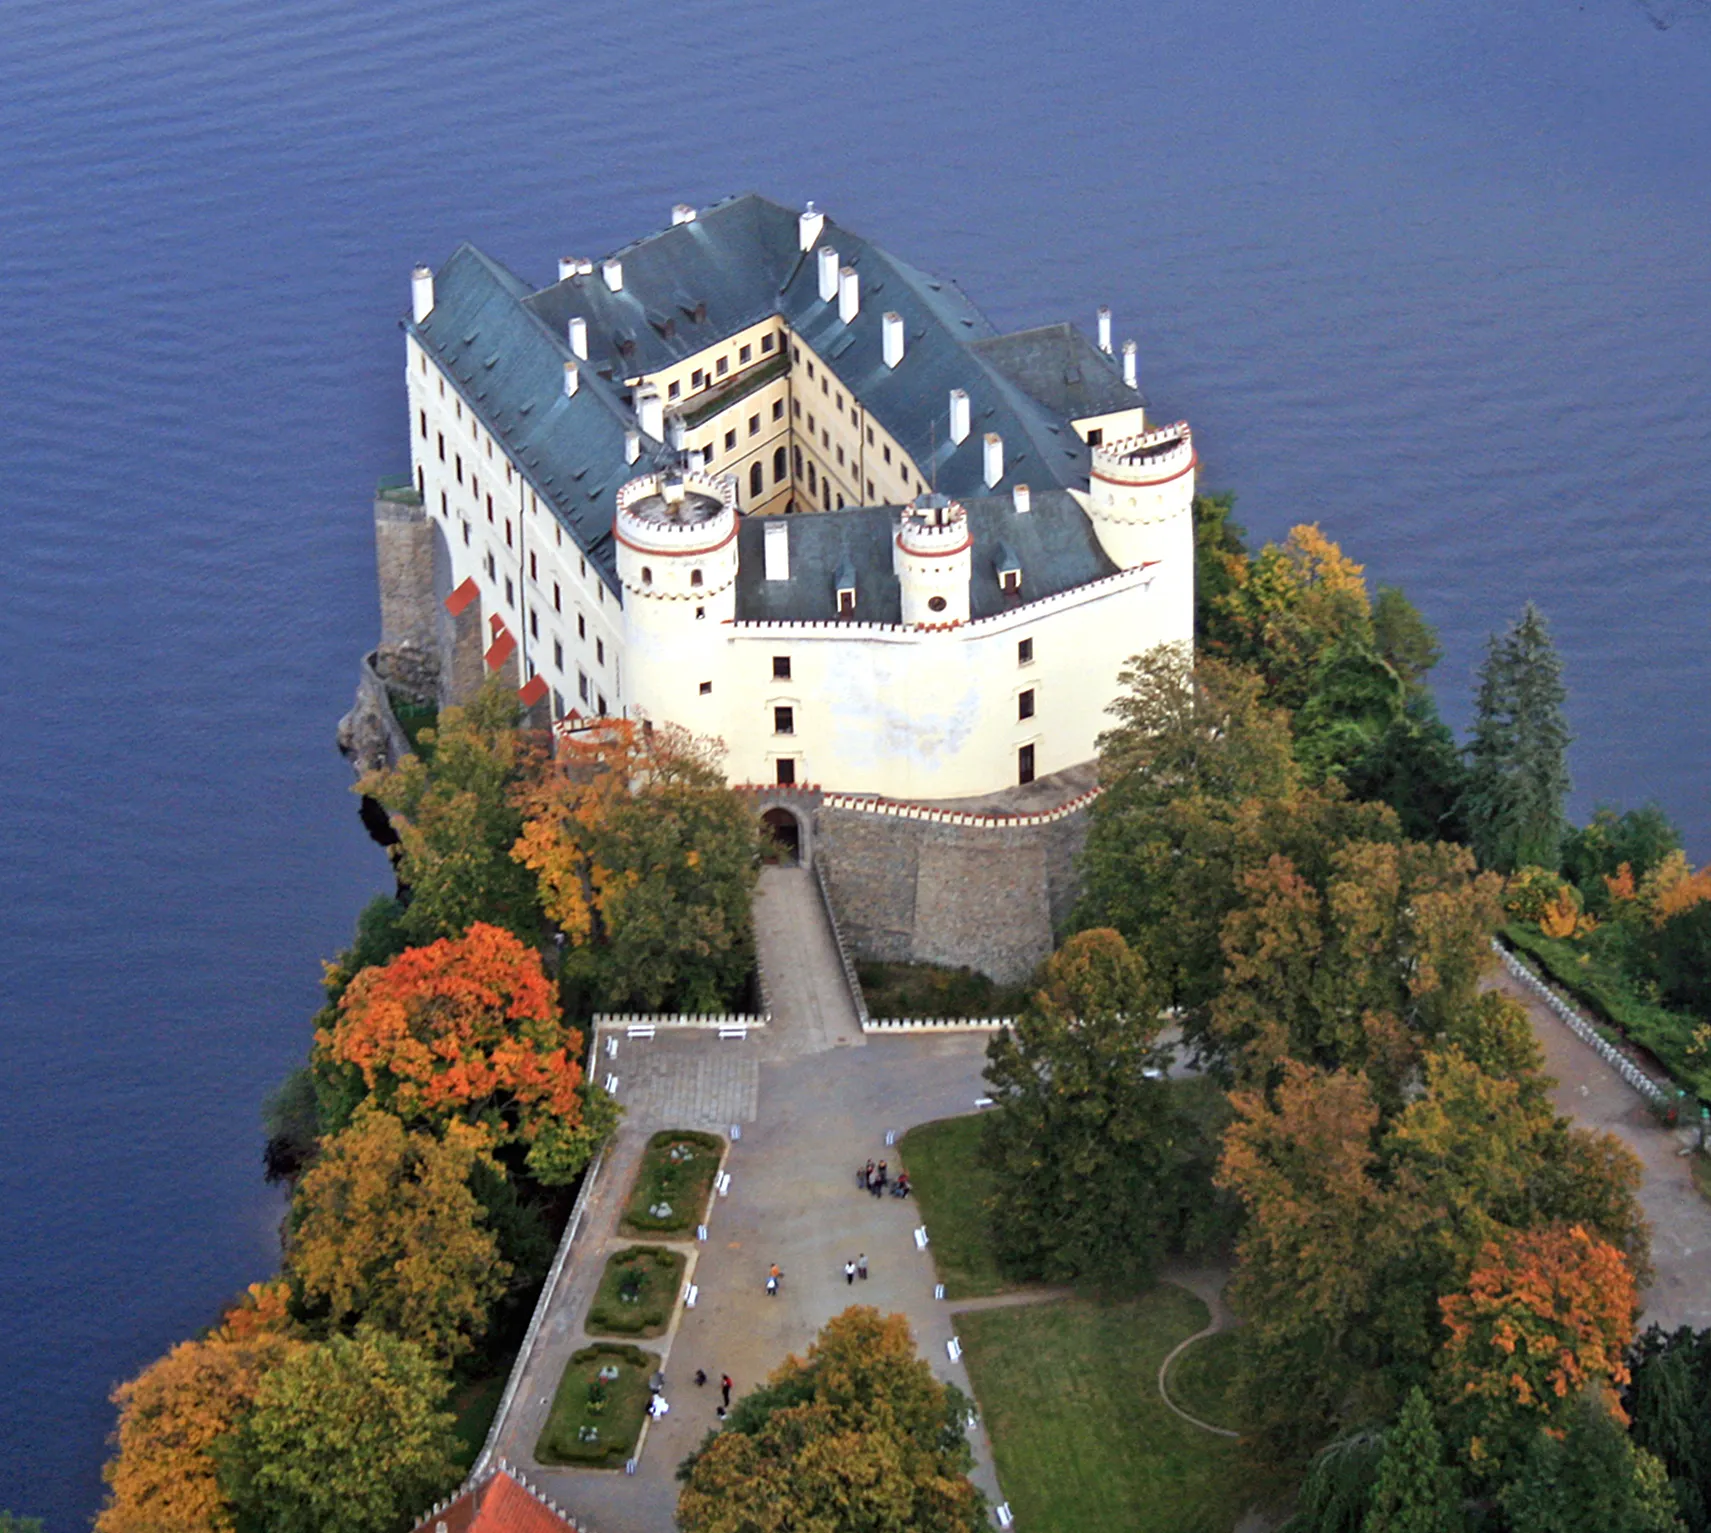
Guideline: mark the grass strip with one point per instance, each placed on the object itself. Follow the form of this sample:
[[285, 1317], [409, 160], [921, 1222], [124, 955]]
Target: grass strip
[[952, 1186]]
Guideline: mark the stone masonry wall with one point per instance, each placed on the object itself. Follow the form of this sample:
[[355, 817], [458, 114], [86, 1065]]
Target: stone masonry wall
[[910, 890]]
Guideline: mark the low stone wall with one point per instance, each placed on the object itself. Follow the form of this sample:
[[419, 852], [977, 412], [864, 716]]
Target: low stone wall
[[679, 1019], [370, 735], [935, 1024], [930, 886]]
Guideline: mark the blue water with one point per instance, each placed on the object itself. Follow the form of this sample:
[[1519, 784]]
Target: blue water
[[1437, 276]]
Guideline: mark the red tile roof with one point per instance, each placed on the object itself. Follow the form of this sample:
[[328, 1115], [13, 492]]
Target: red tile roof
[[497, 1505], [462, 597]]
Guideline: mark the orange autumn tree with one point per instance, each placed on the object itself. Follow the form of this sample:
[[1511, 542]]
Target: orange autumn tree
[[162, 1478], [1546, 1315], [467, 1027], [646, 862]]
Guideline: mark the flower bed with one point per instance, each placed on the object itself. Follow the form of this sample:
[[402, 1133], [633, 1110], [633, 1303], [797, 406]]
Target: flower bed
[[671, 1187], [597, 1414], [637, 1292]]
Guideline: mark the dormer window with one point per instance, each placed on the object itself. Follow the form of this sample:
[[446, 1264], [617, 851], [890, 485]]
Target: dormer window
[[844, 584], [1009, 570], [647, 575], [846, 602]]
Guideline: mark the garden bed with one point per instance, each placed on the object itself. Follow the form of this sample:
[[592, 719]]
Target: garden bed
[[597, 1414], [669, 1196], [637, 1292], [931, 990]]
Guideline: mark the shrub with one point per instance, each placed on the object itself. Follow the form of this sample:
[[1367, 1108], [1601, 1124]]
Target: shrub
[[676, 1174]]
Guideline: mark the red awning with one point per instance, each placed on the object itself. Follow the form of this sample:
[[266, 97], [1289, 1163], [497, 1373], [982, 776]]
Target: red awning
[[533, 692], [462, 597], [500, 650]]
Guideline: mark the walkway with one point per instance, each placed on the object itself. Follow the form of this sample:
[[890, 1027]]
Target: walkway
[[823, 1101], [1594, 1095]]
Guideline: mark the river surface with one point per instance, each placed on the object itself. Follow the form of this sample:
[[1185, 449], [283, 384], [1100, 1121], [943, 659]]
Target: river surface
[[1437, 276]]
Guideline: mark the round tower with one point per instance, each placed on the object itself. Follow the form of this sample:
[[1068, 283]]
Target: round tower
[[676, 539], [934, 561], [1141, 497]]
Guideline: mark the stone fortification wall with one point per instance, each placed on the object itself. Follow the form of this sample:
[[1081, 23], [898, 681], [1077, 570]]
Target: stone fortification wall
[[924, 886]]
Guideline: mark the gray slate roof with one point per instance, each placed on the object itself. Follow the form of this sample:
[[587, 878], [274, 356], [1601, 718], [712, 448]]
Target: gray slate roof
[[735, 265], [1053, 544]]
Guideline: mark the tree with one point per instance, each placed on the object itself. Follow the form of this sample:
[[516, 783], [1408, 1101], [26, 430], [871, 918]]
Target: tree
[[1406, 640], [1545, 1315], [857, 1435], [345, 1436], [10, 1523], [467, 1026], [1336, 1491], [1098, 1167], [1416, 1491], [457, 819], [1640, 839], [1669, 1404], [647, 863], [1219, 552], [174, 1415], [1589, 1476], [1518, 771], [386, 1229], [1415, 767]]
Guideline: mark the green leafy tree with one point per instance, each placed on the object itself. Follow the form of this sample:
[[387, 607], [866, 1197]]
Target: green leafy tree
[[1098, 1165], [1669, 1406], [1518, 753], [1415, 1491], [856, 1437], [1220, 553], [1415, 767], [1353, 701], [1405, 639], [1640, 838], [1590, 1476], [345, 1436], [455, 811], [1336, 1491]]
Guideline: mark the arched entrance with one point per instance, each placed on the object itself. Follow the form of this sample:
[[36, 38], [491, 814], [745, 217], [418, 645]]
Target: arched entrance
[[786, 832]]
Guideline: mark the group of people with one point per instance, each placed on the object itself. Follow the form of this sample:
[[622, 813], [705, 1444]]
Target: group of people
[[874, 1179], [724, 1385], [856, 1269]]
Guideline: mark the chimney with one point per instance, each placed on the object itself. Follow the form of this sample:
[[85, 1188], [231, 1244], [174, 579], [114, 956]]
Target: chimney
[[613, 271], [421, 293], [849, 293], [828, 274], [572, 380], [808, 226], [1024, 499], [568, 266], [777, 548], [892, 339], [650, 413], [959, 416], [994, 464], [579, 337], [632, 445], [1129, 364], [682, 213], [1105, 329]]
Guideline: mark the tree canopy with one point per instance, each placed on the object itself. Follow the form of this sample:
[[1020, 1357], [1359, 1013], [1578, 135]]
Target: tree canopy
[[858, 1434]]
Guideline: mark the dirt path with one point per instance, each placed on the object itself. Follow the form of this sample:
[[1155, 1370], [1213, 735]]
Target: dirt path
[[1594, 1095]]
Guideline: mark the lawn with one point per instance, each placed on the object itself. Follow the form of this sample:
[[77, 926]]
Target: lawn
[[1083, 1442], [931, 990], [637, 1292], [1202, 1379], [475, 1405], [676, 1176], [612, 1409], [943, 1162]]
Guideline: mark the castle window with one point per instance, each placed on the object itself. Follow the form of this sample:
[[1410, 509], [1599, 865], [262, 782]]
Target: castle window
[[600, 659], [507, 532], [766, 343], [582, 567], [707, 453], [1025, 704], [600, 703], [422, 415], [786, 772], [1025, 764], [825, 492], [558, 598], [706, 689], [558, 656], [1095, 438], [475, 485], [784, 721], [757, 485], [458, 403], [647, 575], [870, 436], [796, 455], [838, 400], [810, 425], [507, 473], [558, 703], [582, 685], [700, 614], [779, 465], [510, 593], [697, 378], [489, 508], [459, 457], [442, 437], [840, 457], [672, 391], [1024, 652], [825, 437], [825, 388], [813, 483], [870, 492], [810, 369], [581, 631], [745, 354], [1011, 580], [781, 667], [795, 353], [466, 534], [419, 480], [724, 366], [695, 577], [534, 624], [887, 452], [846, 603], [492, 568], [840, 500], [935, 604], [534, 573], [445, 510], [754, 425], [730, 441], [796, 409], [778, 409]]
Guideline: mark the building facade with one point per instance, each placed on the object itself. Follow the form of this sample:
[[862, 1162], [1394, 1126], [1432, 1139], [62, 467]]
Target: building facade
[[757, 477]]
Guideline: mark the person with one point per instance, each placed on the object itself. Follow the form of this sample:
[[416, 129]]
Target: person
[[884, 1175], [849, 1274], [776, 1273], [771, 1286], [900, 1188], [700, 1377], [725, 1387], [861, 1266], [657, 1407], [867, 1176]]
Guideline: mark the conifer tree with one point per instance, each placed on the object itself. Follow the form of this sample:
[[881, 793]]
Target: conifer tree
[[1518, 768], [1591, 1477], [1416, 1491]]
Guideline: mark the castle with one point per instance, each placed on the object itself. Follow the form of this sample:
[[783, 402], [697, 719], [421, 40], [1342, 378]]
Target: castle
[[756, 476], [610, 464]]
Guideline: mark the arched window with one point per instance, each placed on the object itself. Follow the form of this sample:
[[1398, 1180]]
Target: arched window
[[796, 453], [647, 575], [778, 466], [695, 577], [757, 480], [825, 494], [812, 486]]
